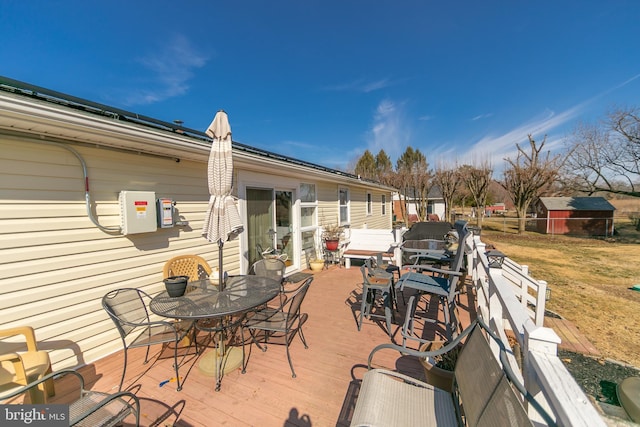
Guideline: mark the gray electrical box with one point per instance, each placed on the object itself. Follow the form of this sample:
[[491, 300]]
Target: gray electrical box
[[138, 212]]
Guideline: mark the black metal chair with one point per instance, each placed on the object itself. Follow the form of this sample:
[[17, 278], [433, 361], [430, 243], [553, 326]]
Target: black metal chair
[[284, 321], [128, 310], [92, 408], [374, 287]]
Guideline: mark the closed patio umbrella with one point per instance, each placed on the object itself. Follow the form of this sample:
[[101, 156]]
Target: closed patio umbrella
[[222, 220]]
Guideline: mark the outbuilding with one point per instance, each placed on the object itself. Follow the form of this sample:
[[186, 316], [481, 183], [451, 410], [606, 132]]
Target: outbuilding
[[590, 216]]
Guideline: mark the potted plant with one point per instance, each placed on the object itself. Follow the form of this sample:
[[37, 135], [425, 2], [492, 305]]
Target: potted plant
[[331, 236], [176, 285], [316, 264], [439, 369]]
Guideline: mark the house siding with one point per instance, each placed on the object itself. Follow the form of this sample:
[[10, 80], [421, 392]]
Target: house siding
[[56, 265]]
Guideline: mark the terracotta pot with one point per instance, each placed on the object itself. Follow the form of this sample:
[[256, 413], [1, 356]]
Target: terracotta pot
[[176, 285], [332, 245], [437, 377]]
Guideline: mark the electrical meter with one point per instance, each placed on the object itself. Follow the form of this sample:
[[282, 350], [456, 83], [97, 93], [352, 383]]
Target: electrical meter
[[165, 213]]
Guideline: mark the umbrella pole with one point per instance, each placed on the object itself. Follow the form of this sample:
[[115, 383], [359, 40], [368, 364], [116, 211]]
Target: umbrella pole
[[221, 283]]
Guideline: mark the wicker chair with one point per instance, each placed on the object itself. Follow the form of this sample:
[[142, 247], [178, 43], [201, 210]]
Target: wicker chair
[[193, 266], [92, 408], [19, 368]]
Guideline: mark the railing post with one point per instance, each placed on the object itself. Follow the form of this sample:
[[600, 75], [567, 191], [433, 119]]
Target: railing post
[[541, 302], [543, 340]]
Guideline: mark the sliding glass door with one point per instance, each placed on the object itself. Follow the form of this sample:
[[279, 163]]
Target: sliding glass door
[[270, 223]]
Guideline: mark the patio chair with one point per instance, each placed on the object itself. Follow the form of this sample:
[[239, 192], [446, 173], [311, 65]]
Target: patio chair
[[376, 287], [193, 266], [486, 392], [285, 321], [445, 256], [442, 284], [128, 310], [272, 268], [92, 408], [19, 368]]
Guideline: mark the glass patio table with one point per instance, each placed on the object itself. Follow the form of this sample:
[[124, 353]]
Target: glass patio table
[[203, 300]]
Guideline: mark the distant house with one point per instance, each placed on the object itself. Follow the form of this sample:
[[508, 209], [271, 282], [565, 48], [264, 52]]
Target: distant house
[[499, 208], [435, 207], [591, 216]]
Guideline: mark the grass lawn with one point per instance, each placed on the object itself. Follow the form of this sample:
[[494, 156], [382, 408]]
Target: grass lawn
[[590, 280]]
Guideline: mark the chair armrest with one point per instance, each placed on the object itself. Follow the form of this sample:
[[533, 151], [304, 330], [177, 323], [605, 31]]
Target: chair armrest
[[18, 365], [430, 269], [32, 384], [421, 354], [26, 331], [10, 357]]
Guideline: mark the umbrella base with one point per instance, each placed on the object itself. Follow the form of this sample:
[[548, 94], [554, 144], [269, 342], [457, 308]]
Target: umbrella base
[[209, 362]]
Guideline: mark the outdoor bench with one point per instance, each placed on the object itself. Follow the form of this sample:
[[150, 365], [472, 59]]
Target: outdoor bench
[[482, 390], [365, 243]]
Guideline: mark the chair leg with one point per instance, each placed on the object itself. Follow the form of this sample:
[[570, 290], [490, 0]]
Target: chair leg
[[304, 341], [175, 364], [363, 305], [124, 368], [48, 385], [388, 308], [293, 373]]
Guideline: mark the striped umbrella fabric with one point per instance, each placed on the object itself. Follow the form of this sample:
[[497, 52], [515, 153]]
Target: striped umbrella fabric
[[222, 220]]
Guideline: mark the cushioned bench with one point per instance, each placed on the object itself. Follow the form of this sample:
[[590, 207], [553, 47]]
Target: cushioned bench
[[366, 243], [482, 395]]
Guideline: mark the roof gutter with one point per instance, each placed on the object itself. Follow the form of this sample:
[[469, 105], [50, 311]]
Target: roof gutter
[[91, 122]]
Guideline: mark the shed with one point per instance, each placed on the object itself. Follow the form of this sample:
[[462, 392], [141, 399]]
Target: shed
[[587, 216]]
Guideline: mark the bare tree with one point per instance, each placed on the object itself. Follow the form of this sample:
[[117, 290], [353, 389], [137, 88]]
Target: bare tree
[[606, 157], [414, 179], [448, 179], [528, 175], [477, 180]]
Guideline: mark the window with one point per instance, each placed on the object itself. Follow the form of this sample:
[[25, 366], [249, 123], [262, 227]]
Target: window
[[308, 193], [369, 204], [343, 198], [308, 216], [384, 205]]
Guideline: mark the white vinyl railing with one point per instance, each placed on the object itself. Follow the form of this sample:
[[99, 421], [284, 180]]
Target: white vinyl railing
[[510, 300]]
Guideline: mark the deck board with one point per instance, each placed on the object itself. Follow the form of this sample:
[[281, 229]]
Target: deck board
[[328, 372]]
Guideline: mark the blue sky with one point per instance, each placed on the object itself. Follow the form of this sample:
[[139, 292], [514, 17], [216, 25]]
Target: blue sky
[[323, 81]]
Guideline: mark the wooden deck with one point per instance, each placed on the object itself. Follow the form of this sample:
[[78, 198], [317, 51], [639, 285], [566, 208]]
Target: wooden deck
[[572, 339], [328, 372], [323, 394]]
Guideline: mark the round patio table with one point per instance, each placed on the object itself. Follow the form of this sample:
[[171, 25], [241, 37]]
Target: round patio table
[[204, 300]]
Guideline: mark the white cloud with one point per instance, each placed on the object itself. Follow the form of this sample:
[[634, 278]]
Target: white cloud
[[360, 86], [390, 130], [495, 148], [482, 116], [171, 69]]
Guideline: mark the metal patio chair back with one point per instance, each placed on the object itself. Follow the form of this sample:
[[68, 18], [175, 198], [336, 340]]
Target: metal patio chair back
[[284, 321], [127, 308], [92, 408]]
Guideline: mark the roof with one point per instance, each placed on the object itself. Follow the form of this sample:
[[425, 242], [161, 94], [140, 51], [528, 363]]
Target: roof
[[576, 204], [172, 131]]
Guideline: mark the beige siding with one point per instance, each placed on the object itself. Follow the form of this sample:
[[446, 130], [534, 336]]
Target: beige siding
[[56, 265]]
